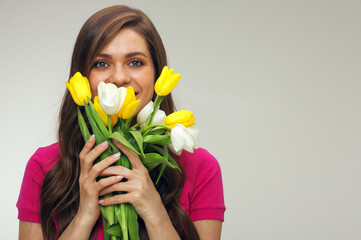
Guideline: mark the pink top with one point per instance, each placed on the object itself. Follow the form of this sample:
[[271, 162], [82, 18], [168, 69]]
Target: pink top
[[201, 198]]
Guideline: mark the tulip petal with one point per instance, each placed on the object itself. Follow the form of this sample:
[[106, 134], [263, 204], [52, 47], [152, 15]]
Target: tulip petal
[[79, 88], [103, 115], [189, 123], [144, 113], [159, 117], [130, 109], [161, 78], [111, 98], [130, 97], [178, 117], [166, 82], [123, 95], [177, 139], [171, 83], [183, 138], [73, 94]]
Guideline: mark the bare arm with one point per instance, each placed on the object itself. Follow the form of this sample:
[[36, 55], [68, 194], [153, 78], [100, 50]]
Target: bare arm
[[30, 230], [209, 229]]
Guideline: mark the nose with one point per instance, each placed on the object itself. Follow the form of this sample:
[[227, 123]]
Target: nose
[[120, 77]]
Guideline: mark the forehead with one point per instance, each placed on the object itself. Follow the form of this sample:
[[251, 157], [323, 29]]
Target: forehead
[[127, 40]]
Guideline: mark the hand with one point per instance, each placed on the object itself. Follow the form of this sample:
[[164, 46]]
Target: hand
[[88, 185], [140, 189]]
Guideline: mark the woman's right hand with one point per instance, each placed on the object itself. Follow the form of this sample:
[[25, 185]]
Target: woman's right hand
[[89, 187]]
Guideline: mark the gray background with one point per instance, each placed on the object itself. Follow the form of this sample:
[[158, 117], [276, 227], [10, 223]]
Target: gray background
[[274, 85]]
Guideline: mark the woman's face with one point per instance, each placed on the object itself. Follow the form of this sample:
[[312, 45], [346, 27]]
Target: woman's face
[[125, 61]]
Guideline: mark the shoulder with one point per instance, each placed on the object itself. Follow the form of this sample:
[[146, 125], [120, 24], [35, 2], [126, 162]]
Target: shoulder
[[43, 159], [199, 161], [38, 165]]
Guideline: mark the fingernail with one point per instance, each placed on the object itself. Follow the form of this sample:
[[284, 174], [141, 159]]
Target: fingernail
[[105, 143], [91, 138], [101, 201], [120, 176], [116, 155]]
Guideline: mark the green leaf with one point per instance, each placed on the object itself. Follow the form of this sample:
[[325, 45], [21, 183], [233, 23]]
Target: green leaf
[[98, 134], [108, 213], [157, 131], [114, 230], [120, 138], [157, 139], [171, 162], [151, 166], [98, 120], [160, 173], [105, 227], [153, 158], [83, 127], [125, 161], [132, 222], [129, 121], [139, 139]]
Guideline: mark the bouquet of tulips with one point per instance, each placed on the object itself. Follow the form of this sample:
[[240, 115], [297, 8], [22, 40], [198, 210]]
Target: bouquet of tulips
[[110, 117]]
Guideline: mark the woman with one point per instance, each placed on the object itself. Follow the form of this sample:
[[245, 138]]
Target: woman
[[59, 197]]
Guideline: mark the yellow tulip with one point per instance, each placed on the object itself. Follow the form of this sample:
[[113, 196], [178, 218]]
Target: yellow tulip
[[166, 81], [130, 97], [79, 88], [183, 117], [103, 115], [130, 109]]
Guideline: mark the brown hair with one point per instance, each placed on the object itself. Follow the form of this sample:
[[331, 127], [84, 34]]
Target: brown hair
[[60, 189]]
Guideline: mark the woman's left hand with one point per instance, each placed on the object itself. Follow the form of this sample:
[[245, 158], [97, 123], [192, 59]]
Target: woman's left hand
[[140, 189]]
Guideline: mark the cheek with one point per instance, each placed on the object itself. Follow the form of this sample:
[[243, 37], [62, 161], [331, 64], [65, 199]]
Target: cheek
[[149, 88], [94, 80], [147, 85]]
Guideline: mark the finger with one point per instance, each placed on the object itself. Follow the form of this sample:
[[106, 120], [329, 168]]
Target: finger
[[132, 156], [117, 187], [109, 181], [116, 170], [102, 165], [119, 198], [87, 161], [87, 147]]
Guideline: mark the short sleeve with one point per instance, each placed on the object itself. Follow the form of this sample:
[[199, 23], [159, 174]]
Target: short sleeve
[[207, 199], [29, 197]]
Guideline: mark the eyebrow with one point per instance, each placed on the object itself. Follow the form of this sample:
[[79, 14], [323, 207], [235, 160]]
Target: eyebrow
[[128, 55]]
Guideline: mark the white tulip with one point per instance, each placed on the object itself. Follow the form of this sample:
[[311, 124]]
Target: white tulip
[[183, 138], [145, 113], [111, 98]]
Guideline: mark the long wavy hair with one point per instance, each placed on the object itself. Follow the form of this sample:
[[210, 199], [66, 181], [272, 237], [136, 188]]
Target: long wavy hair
[[60, 189]]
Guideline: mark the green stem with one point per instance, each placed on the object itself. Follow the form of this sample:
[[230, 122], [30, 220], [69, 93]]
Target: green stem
[[123, 223], [146, 130], [135, 126], [83, 127], [109, 125], [128, 122], [158, 100]]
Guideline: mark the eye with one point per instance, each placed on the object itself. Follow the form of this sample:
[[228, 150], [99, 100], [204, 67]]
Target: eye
[[100, 64], [136, 63]]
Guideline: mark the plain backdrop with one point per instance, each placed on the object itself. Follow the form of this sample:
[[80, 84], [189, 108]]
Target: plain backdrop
[[275, 87]]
